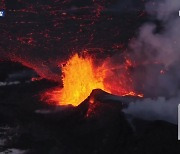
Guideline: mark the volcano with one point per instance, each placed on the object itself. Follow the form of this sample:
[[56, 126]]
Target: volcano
[[89, 76], [81, 76], [95, 125]]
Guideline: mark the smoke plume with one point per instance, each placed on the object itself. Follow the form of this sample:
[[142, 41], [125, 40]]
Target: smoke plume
[[156, 49]]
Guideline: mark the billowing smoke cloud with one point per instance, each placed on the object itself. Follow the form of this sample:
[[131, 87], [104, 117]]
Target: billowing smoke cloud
[[159, 44], [155, 109], [157, 50]]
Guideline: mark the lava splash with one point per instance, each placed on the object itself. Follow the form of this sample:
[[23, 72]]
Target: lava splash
[[80, 77]]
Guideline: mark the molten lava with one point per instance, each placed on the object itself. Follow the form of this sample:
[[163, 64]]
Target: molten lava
[[80, 77]]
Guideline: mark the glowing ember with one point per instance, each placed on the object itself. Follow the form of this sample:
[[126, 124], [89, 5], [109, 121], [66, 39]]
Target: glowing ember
[[80, 77], [36, 79]]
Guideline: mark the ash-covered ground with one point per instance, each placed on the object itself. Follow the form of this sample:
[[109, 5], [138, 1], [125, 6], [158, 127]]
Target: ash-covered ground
[[28, 125]]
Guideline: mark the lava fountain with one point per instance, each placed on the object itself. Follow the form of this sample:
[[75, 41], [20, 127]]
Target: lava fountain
[[80, 77]]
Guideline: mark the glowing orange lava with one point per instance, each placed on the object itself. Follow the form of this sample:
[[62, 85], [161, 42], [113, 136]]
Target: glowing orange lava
[[80, 77], [79, 80]]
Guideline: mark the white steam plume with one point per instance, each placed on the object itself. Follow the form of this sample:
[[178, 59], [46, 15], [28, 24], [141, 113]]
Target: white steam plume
[[158, 44]]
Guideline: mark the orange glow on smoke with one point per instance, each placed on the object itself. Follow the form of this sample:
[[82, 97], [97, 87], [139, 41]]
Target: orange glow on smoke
[[80, 77]]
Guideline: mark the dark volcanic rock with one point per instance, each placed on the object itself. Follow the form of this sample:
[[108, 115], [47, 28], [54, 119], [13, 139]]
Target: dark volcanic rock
[[90, 128], [156, 137], [100, 97]]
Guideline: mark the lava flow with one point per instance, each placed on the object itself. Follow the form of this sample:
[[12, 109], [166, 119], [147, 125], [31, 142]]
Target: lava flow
[[80, 77]]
